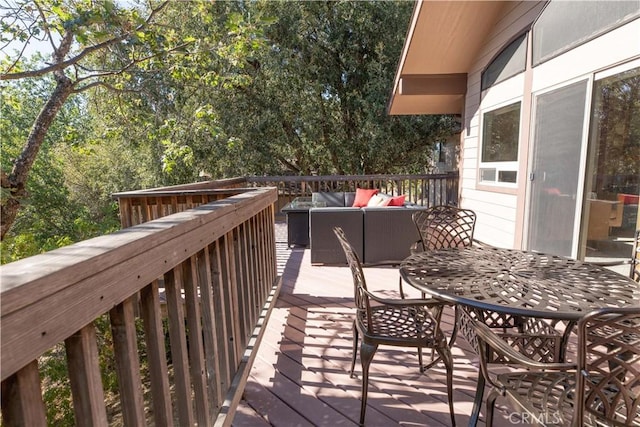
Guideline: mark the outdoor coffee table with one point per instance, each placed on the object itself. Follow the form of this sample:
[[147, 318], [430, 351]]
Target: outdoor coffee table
[[519, 283], [297, 213]]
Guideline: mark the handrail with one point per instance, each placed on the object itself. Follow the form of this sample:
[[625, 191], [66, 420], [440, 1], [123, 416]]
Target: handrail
[[421, 189], [215, 265]]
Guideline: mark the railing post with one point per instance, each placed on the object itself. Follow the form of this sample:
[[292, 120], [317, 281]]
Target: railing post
[[22, 404], [127, 362], [85, 378], [196, 351], [156, 354], [177, 338]]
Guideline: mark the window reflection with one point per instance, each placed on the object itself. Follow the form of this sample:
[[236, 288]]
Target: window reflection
[[614, 180]]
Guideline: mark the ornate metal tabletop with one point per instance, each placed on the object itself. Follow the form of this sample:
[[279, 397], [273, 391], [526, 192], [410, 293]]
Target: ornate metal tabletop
[[518, 282]]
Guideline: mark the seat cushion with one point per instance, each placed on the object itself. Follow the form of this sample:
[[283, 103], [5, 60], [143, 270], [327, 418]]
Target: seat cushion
[[330, 199]]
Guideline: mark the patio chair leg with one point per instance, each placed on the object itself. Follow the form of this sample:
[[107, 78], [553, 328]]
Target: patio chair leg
[[491, 403], [477, 401], [366, 356], [400, 287], [354, 352], [454, 332], [445, 355]]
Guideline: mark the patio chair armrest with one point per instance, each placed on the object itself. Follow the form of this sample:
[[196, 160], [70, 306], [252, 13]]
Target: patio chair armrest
[[413, 302], [481, 244], [498, 345]]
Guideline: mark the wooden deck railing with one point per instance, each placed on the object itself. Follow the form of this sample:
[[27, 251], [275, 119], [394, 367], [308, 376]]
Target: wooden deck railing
[[194, 263], [213, 266], [424, 190]]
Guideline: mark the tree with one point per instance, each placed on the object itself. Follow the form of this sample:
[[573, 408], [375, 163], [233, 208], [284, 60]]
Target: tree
[[284, 88], [317, 98], [93, 44]]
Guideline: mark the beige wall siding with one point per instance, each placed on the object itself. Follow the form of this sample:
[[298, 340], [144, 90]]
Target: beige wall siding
[[497, 209]]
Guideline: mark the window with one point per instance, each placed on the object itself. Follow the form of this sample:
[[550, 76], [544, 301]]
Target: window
[[563, 25], [511, 61], [500, 136]]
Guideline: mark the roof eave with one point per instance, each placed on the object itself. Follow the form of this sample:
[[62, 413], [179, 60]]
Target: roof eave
[[442, 40]]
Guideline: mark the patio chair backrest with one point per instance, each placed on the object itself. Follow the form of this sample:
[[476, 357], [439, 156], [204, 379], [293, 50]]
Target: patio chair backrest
[[608, 379], [442, 227], [359, 283]]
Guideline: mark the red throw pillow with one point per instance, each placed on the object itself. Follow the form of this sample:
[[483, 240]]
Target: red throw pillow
[[397, 201], [362, 197]]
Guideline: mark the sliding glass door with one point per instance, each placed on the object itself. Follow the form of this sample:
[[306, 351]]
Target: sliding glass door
[[613, 174], [555, 170]]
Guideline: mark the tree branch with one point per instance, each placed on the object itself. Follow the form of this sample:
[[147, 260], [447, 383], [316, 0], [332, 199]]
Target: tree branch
[[46, 26], [71, 61], [121, 70]]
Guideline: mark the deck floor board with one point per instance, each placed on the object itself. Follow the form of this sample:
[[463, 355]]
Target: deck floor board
[[301, 374]]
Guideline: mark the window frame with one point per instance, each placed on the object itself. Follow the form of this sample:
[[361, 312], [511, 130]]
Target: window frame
[[525, 34], [535, 31], [499, 166]]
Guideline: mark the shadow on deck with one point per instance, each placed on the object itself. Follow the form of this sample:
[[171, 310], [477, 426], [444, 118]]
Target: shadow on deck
[[301, 374]]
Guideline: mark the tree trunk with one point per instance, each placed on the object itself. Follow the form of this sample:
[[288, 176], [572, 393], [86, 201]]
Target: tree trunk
[[15, 183]]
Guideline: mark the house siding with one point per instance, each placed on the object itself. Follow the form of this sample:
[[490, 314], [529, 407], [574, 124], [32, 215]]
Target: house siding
[[497, 207], [501, 210]]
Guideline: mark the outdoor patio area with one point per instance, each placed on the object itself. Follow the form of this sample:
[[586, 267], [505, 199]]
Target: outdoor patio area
[[301, 374]]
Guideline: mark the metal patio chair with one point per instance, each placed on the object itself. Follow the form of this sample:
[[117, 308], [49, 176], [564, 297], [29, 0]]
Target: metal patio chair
[[393, 322], [442, 227], [602, 388]]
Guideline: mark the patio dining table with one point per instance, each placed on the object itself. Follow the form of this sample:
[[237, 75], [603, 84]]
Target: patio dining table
[[518, 283]]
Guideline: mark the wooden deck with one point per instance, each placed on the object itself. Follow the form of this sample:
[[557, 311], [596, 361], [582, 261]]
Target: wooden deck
[[301, 374]]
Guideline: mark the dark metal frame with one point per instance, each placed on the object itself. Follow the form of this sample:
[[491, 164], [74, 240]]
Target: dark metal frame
[[517, 286], [599, 389], [394, 322]]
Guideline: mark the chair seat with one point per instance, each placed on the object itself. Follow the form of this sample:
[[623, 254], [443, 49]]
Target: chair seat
[[549, 396], [399, 323]]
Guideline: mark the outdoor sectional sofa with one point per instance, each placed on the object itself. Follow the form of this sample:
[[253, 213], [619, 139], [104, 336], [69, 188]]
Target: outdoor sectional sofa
[[378, 234]]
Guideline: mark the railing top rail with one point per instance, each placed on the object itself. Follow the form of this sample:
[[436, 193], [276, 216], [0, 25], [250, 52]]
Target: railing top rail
[[204, 185], [189, 192], [67, 288], [346, 177]]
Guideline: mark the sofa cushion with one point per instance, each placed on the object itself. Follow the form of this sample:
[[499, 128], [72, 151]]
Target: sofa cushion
[[378, 200], [396, 201], [362, 196], [331, 199], [349, 198]]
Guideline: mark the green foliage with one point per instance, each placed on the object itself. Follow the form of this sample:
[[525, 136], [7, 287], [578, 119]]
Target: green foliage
[[228, 88], [314, 101], [278, 88], [50, 217]]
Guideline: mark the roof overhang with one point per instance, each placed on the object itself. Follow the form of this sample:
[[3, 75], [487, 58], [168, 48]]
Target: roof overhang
[[443, 40]]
